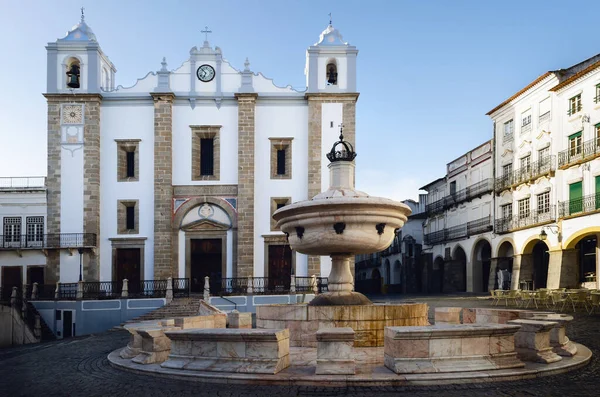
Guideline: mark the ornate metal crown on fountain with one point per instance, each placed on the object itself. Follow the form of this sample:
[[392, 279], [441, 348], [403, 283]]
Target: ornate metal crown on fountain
[[341, 222]]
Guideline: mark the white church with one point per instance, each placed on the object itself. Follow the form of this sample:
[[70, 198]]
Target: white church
[[178, 174]]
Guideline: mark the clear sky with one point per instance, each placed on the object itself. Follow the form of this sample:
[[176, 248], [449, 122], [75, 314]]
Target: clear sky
[[428, 71]]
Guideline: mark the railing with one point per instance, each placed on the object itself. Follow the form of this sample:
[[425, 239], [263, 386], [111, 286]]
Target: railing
[[507, 138], [574, 109], [102, 289], [583, 205], [436, 206], [395, 248], [148, 289], [544, 117], [67, 291], [181, 287], [53, 240], [27, 182], [305, 284], [534, 217], [588, 150], [481, 225], [597, 99], [527, 173], [525, 128]]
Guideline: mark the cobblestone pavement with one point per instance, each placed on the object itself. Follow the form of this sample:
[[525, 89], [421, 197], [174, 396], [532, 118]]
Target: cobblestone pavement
[[79, 367]]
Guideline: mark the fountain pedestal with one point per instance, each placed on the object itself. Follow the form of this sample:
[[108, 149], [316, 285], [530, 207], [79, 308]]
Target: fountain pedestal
[[340, 285]]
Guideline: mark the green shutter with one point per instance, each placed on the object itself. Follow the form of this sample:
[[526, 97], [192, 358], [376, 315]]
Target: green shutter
[[575, 135], [598, 192], [575, 197]]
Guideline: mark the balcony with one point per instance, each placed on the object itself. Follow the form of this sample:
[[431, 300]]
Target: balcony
[[476, 190], [47, 241], [465, 230], [578, 207], [589, 150], [533, 218], [22, 183], [573, 109], [526, 174]]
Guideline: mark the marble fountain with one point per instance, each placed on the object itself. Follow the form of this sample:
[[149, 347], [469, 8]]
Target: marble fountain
[[341, 338]]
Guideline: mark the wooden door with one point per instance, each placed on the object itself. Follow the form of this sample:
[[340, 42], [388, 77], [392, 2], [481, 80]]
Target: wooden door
[[128, 266], [12, 276], [206, 260], [280, 266]]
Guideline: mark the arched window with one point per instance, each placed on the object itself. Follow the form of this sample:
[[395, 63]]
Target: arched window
[[332, 75], [73, 73]]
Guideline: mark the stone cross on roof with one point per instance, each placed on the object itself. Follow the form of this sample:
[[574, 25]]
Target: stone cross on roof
[[206, 32]]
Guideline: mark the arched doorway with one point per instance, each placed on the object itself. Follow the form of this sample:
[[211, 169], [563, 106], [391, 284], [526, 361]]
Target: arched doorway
[[541, 259], [437, 276], [376, 282], [504, 266], [455, 277], [482, 254], [586, 248], [388, 272]]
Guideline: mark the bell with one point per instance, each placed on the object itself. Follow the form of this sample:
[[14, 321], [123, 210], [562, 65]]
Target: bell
[[73, 74], [332, 76]]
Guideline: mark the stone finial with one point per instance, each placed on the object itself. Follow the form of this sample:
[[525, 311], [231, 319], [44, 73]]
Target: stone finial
[[34, 291], [206, 288], [57, 290], [79, 290], [164, 65], [125, 289], [313, 284], [13, 297], [169, 294], [246, 86], [249, 289], [293, 284], [247, 65], [163, 84]]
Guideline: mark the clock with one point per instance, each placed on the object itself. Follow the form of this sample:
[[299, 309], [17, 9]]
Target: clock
[[205, 73]]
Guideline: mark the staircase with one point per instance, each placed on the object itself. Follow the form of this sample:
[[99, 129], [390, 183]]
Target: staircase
[[180, 307], [47, 333]]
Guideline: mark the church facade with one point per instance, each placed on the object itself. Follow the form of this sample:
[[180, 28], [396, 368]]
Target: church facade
[[178, 175]]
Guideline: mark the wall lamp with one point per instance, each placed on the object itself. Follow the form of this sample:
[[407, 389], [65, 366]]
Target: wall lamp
[[553, 228]]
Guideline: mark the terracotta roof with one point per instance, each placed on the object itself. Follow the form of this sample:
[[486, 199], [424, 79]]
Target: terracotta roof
[[534, 82], [576, 76]]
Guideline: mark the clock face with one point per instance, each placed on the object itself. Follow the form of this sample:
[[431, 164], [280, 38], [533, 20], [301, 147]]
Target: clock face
[[205, 73]]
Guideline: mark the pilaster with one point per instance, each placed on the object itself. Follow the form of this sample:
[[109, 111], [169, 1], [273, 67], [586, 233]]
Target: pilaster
[[516, 272], [246, 134], [164, 267]]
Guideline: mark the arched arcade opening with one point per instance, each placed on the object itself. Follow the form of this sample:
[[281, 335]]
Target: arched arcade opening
[[481, 263]]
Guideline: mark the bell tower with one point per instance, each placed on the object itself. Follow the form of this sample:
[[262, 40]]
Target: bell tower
[[78, 73], [331, 64], [76, 63]]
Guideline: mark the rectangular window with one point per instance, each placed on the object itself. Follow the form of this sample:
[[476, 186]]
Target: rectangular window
[[130, 159], [509, 128], [526, 121], [575, 144], [597, 97], [545, 109], [506, 211], [130, 215], [524, 208], [543, 153], [526, 163], [206, 156], [453, 187], [277, 203], [35, 228], [12, 229], [507, 169], [597, 198], [543, 203], [280, 161], [575, 197], [574, 105], [597, 136]]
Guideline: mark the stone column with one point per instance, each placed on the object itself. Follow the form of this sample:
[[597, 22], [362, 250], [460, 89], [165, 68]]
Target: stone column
[[245, 204], [493, 275], [163, 185], [526, 268], [554, 269], [516, 272], [569, 269]]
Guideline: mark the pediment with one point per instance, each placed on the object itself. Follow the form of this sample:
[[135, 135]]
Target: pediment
[[525, 142], [204, 225], [506, 152]]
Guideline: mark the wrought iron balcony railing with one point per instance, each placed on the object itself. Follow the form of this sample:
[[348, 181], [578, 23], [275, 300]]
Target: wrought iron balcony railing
[[580, 206], [545, 116], [464, 230], [26, 182], [475, 190], [525, 174], [53, 240], [587, 151], [574, 109], [435, 207], [597, 99], [530, 219]]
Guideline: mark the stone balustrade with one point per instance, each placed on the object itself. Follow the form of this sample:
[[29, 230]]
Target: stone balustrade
[[450, 348], [335, 351], [261, 351], [532, 341]]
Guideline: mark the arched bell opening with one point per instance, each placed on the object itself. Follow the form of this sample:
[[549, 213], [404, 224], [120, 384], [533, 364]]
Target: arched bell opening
[[331, 72], [73, 73]]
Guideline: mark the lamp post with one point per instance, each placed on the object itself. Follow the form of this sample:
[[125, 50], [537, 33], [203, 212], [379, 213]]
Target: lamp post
[[80, 250]]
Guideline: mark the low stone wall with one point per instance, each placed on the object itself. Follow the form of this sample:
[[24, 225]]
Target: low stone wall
[[532, 341], [261, 351], [368, 322], [494, 316], [450, 348], [335, 351], [559, 340]]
